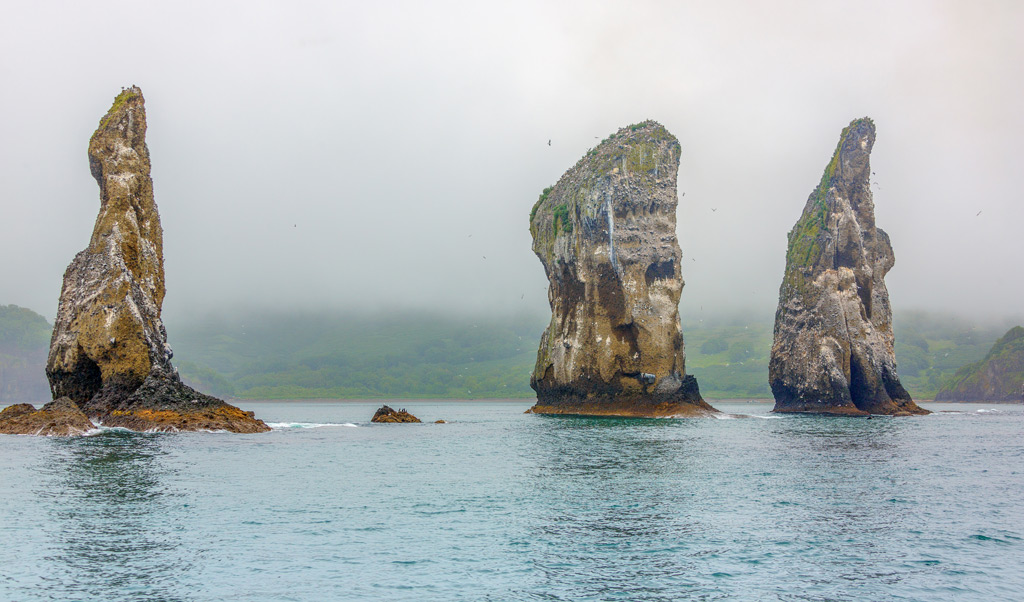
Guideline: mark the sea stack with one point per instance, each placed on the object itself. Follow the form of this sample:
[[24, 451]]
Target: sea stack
[[999, 377], [606, 235], [109, 351], [833, 347]]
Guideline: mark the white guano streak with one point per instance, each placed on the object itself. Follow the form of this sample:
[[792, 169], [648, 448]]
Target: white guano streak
[[611, 233]]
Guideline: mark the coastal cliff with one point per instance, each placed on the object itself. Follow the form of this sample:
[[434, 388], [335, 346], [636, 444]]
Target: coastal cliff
[[605, 234], [109, 352], [998, 377], [833, 342]]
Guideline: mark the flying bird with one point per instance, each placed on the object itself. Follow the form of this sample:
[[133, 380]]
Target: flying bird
[[977, 214], [549, 141], [714, 209]]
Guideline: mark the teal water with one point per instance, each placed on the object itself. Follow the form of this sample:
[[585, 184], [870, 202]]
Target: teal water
[[499, 505]]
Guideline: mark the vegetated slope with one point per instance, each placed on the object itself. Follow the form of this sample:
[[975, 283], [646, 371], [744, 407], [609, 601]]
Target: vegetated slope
[[730, 354], [998, 377], [931, 347], [335, 355], [352, 356], [24, 343]]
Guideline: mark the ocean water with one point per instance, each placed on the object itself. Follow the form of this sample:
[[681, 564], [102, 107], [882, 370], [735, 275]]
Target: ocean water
[[499, 505]]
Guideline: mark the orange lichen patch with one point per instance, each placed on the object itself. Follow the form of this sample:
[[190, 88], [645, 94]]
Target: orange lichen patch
[[221, 418]]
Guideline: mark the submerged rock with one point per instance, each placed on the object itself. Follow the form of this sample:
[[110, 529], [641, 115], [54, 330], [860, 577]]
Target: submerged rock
[[833, 346], [389, 414], [61, 417], [109, 351], [997, 377], [606, 235]]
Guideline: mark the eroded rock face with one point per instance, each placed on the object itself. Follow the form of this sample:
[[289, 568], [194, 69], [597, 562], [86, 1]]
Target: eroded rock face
[[833, 346], [108, 338], [605, 234], [59, 418]]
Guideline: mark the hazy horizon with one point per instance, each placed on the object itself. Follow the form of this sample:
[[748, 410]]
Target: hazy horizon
[[360, 158]]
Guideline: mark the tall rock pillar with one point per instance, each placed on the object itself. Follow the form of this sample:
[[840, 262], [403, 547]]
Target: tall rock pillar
[[605, 234], [833, 343], [109, 351]]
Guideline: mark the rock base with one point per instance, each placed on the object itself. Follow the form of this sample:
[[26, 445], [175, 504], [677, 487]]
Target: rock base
[[166, 404], [223, 418], [684, 402], [625, 409], [912, 410], [60, 418]]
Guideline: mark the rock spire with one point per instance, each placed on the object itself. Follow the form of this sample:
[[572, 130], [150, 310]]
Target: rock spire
[[833, 345], [109, 351], [605, 234]]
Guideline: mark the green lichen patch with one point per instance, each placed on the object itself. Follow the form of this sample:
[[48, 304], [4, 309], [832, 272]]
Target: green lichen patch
[[540, 199], [119, 102], [806, 237], [561, 219]]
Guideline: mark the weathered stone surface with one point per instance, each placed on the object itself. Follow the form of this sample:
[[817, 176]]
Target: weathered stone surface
[[605, 234], [108, 338], [60, 418], [998, 377], [389, 414], [833, 346]]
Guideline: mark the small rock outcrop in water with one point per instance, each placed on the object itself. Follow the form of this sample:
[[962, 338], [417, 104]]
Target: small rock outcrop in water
[[389, 414], [998, 377], [606, 235], [57, 418], [833, 347], [109, 351]]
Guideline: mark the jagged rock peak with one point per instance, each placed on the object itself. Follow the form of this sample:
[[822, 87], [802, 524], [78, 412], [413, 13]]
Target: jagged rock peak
[[833, 342], [605, 234], [108, 338]]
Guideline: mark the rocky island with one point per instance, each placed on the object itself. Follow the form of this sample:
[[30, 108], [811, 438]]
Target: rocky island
[[606, 235], [833, 342], [59, 418], [386, 414], [109, 354], [999, 377]]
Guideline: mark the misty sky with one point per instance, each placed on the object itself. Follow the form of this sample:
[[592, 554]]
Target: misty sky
[[312, 155]]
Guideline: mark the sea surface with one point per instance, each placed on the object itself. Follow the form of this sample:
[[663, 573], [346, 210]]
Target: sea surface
[[500, 505]]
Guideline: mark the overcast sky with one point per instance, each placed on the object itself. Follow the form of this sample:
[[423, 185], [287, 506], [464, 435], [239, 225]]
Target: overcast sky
[[343, 155]]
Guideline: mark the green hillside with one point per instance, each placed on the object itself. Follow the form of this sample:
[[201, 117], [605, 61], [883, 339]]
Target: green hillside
[[335, 355], [347, 356], [999, 376], [24, 343], [729, 356]]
